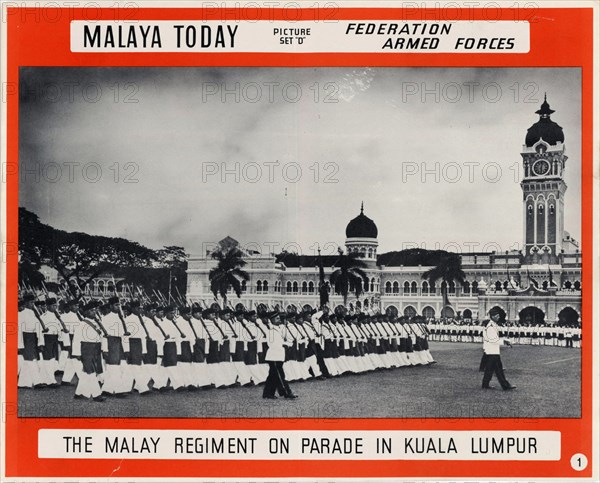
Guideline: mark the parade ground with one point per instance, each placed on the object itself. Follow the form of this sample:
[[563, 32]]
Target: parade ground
[[547, 380]]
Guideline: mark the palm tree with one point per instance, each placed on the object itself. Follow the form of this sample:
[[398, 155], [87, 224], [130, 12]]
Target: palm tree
[[228, 273], [448, 269], [349, 276]]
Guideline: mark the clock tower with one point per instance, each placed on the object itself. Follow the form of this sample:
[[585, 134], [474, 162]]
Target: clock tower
[[543, 187]]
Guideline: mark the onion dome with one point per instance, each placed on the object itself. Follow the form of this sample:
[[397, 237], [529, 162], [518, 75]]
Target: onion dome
[[545, 128], [361, 227]]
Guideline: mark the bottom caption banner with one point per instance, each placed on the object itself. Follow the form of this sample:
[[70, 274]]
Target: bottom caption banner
[[310, 445]]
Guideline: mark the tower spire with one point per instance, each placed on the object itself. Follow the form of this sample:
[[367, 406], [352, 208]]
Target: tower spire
[[544, 111], [362, 207]]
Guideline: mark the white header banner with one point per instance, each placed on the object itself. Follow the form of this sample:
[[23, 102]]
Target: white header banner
[[300, 445], [301, 37]]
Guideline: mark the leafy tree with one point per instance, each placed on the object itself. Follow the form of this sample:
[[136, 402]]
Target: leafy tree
[[80, 258], [349, 276], [448, 269], [228, 273]]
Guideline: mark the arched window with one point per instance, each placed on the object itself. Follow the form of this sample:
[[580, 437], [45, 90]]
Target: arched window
[[265, 286], [244, 286], [372, 287], [425, 288], [288, 287], [406, 288], [444, 287], [474, 286], [429, 312], [568, 284], [452, 288], [577, 285], [409, 311], [396, 287], [370, 252], [295, 287], [311, 287], [304, 287], [363, 252], [432, 288], [413, 288], [467, 287], [545, 285], [258, 286], [388, 287], [101, 286], [110, 287], [505, 285], [498, 286]]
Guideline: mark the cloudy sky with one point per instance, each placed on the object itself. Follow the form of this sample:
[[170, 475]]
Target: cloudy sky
[[433, 153]]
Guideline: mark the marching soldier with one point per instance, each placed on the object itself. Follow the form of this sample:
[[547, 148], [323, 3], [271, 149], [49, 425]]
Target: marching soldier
[[275, 356], [72, 320], [87, 349], [172, 351], [30, 338], [117, 376], [56, 340], [154, 348], [138, 341], [256, 353], [193, 316]]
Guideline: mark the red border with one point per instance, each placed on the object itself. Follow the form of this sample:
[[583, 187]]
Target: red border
[[559, 37]]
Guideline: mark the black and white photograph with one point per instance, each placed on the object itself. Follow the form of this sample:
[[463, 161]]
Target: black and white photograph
[[325, 243]]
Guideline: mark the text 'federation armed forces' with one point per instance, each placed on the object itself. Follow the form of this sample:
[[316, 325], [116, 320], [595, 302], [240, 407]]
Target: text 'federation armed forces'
[[113, 349]]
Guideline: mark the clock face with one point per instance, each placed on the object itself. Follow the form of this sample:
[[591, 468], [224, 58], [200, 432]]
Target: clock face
[[541, 167]]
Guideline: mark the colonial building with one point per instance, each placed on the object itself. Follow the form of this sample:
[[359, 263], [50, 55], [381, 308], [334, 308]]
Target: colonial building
[[541, 283]]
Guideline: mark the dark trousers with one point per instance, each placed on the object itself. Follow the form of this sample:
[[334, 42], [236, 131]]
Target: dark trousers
[[276, 380], [493, 365]]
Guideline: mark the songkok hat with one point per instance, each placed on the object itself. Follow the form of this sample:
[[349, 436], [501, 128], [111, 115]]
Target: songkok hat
[[185, 310], [113, 300], [28, 297], [50, 301], [196, 308]]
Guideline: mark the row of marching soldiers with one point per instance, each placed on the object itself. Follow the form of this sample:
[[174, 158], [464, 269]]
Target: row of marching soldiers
[[111, 349], [547, 335]]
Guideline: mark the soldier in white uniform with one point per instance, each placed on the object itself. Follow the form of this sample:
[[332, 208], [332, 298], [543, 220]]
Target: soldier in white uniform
[[154, 349], [118, 380], [87, 349], [491, 346], [56, 340], [278, 338], [72, 320], [138, 341], [30, 337]]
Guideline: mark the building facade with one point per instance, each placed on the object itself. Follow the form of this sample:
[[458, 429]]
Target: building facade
[[541, 283]]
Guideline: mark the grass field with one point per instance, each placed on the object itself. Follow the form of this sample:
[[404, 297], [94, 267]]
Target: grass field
[[548, 381]]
